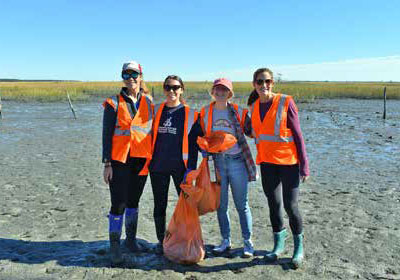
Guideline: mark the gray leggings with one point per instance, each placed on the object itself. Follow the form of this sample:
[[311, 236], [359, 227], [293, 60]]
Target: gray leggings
[[281, 182]]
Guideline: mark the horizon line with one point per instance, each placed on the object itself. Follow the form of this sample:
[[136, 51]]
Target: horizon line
[[2, 80]]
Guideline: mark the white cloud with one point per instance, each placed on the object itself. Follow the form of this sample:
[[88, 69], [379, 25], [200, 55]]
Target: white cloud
[[360, 69]]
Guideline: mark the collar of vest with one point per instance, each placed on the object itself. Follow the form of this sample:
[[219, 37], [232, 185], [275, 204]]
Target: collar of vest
[[124, 94]]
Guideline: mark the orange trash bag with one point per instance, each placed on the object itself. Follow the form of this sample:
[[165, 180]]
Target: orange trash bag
[[217, 142], [183, 242], [210, 199]]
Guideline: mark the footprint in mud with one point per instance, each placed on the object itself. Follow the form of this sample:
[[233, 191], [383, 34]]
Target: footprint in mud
[[15, 212], [26, 234], [59, 209], [51, 235], [237, 270], [191, 277], [145, 260]]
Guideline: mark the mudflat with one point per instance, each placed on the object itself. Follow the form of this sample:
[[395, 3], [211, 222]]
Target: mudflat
[[53, 202]]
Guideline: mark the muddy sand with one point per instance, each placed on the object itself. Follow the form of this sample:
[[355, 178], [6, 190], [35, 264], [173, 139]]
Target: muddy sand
[[53, 202]]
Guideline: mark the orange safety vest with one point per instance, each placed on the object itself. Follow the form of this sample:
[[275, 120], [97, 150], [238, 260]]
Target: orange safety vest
[[131, 133], [274, 140], [207, 112], [190, 119]]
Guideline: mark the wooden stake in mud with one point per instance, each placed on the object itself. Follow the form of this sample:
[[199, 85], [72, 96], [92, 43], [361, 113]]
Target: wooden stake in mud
[[1, 116], [70, 106], [384, 103]]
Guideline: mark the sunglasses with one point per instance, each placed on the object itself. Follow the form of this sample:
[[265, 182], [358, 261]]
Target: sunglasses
[[261, 81], [127, 75], [174, 87]]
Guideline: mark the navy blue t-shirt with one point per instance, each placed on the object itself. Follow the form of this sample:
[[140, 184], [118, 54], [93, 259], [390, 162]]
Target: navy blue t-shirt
[[167, 155]]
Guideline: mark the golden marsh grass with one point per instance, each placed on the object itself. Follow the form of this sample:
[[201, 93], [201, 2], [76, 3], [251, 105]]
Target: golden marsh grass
[[302, 91]]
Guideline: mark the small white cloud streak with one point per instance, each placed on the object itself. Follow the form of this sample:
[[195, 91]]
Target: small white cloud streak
[[363, 69]]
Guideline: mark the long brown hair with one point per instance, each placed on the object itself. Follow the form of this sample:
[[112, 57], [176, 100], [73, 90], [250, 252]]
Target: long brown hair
[[254, 94], [176, 78]]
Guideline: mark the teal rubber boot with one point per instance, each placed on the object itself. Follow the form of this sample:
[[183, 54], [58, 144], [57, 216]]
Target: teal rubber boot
[[298, 253], [279, 245]]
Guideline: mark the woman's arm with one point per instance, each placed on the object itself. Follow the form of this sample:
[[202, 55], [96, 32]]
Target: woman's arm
[[294, 124], [195, 132], [247, 129], [109, 118]]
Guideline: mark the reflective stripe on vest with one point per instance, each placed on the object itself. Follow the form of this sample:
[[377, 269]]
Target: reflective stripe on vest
[[132, 133], [127, 132], [274, 140], [189, 121], [146, 129], [114, 102], [122, 132], [278, 120], [207, 117]]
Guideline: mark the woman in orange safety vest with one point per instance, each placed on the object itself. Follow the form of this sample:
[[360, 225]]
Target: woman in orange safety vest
[[282, 157], [127, 144], [175, 132], [235, 166]]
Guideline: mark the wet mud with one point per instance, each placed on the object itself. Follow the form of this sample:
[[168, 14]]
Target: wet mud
[[53, 202]]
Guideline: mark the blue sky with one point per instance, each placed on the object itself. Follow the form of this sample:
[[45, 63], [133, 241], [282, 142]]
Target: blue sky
[[200, 40]]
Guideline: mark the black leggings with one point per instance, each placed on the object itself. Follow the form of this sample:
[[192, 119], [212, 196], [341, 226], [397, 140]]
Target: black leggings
[[272, 176], [126, 186], [160, 185]]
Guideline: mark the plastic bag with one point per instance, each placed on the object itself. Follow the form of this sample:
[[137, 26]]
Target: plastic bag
[[210, 199], [217, 142], [183, 242]]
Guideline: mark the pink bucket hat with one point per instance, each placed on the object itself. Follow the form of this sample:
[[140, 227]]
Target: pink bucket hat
[[224, 82]]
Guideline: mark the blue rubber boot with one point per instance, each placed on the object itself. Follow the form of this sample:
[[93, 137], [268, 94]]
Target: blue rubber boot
[[279, 245], [131, 223], [115, 228], [298, 253]]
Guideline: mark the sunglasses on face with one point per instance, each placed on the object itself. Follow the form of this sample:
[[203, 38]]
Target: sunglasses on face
[[127, 75], [174, 87], [260, 82], [221, 88]]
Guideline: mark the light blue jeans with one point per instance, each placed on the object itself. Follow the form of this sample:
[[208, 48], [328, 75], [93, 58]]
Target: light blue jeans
[[233, 172]]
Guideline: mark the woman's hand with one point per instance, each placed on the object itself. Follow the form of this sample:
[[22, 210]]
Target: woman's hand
[[107, 174], [185, 175], [304, 178]]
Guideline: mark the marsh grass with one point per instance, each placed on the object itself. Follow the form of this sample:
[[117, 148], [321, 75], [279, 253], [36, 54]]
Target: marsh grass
[[55, 91], [84, 91]]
